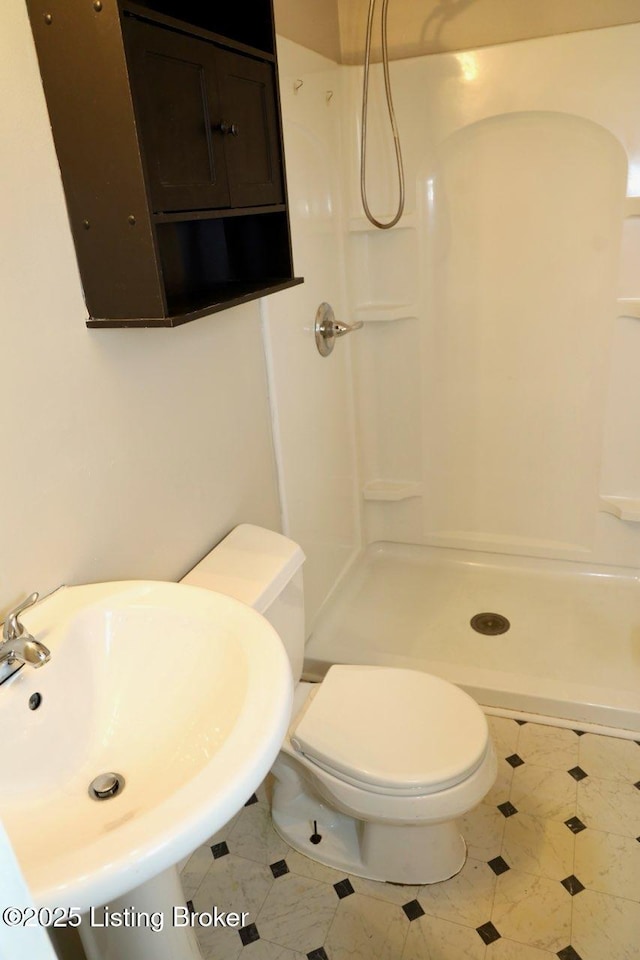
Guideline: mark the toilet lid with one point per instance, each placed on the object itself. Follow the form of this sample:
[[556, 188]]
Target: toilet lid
[[392, 730]]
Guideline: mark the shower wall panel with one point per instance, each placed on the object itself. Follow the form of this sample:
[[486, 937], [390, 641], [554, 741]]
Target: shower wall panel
[[522, 285], [311, 396], [518, 159]]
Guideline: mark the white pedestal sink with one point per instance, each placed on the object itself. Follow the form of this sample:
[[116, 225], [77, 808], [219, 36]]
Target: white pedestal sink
[[161, 939], [184, 693]]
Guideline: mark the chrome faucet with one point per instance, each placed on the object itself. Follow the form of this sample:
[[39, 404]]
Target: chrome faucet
[[18, 646]]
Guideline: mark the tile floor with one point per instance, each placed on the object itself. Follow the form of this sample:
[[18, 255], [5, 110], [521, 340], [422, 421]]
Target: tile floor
[[553, 871]]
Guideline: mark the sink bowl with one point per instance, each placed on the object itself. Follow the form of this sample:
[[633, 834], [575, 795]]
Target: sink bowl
[[183, 692]]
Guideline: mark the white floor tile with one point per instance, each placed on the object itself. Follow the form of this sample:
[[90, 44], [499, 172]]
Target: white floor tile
[[218, 943], [543, 792], [608, 863], [253, 835], [263, 950], [504, 733], [532, 910], [545, 746], [194, 870], [501, 790], [609, 805], [535, 845], [466, 898], [605, 928], [233, 883], [432, 939], [510, 950], [362, 921], [305, 867], [297, 913], [610, 759], [483, 831]]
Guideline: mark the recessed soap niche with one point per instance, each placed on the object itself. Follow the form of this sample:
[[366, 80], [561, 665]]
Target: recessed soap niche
[[383, 270]]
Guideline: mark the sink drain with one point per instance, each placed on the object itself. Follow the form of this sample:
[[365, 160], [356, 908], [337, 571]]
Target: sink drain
[[106, 785], [490, 624]]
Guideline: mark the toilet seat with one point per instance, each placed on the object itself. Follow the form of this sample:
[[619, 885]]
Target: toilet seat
[[391, 731]]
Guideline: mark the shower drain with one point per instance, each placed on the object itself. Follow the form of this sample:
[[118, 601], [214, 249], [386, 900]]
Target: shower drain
[[490, 624]]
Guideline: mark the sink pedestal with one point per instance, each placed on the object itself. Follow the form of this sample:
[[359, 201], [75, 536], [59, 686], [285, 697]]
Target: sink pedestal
[[143, 910]]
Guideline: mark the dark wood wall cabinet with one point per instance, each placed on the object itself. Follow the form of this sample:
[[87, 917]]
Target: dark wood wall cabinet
[[166, 121]]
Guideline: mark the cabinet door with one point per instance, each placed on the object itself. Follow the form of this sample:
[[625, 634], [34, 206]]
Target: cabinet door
[[252, 137], [175, 94]]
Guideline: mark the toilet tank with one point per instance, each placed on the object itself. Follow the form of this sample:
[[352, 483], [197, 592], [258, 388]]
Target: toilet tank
[[264, 570]]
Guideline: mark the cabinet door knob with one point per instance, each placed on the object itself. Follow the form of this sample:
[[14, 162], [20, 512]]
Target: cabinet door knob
[[227, 128]]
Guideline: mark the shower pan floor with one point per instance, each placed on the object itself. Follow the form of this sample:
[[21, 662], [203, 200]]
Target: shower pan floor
[[572, 650]]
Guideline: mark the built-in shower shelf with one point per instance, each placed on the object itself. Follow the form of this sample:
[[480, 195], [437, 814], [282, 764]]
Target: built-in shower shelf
[[629, 308], [408, 221], [632, 207], [625, 508], [385, 312], [392, 490]]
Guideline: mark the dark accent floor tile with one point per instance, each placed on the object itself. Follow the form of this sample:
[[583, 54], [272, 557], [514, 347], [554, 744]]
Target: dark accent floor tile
[[190, 907], [249, 934], [488, 933], [637, 785], [521, 722], [279, 868], [343, 888], [577, 773], [575, 825], [252, 799], [413, 910], [572, 884], [507, 809], [219, 850], [498, 865], [319, 954], [579, 733], [568, 954], [514, 760]]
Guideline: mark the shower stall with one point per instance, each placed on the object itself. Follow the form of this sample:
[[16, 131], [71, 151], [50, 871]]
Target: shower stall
[[475, 447]]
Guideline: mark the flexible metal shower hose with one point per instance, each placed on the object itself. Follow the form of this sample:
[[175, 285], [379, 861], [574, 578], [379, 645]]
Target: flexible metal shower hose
[[392, 118]]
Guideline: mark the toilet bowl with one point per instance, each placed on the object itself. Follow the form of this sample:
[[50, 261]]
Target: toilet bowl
[[378, 762]]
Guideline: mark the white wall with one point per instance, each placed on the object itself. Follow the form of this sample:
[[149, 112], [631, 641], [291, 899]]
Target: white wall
[[486, 397], [124, 453], [311, 396]]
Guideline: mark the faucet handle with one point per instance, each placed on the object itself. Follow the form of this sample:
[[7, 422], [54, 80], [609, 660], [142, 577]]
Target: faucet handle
[[12, 627]]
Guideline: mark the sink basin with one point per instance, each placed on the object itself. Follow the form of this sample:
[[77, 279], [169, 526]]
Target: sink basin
[[183, 692]]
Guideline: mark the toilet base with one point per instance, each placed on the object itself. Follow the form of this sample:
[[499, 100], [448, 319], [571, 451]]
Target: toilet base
[[393, 853]]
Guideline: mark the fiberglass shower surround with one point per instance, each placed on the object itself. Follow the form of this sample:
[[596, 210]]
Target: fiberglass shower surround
[[494, 381]]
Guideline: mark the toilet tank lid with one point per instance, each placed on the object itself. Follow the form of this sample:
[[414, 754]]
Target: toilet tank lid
[[252, 564]]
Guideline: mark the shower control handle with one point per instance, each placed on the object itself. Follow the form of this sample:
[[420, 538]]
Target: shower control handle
[[339, 328], [328, 329]]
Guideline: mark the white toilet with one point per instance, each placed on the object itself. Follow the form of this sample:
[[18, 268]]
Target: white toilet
[[378, 762]]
